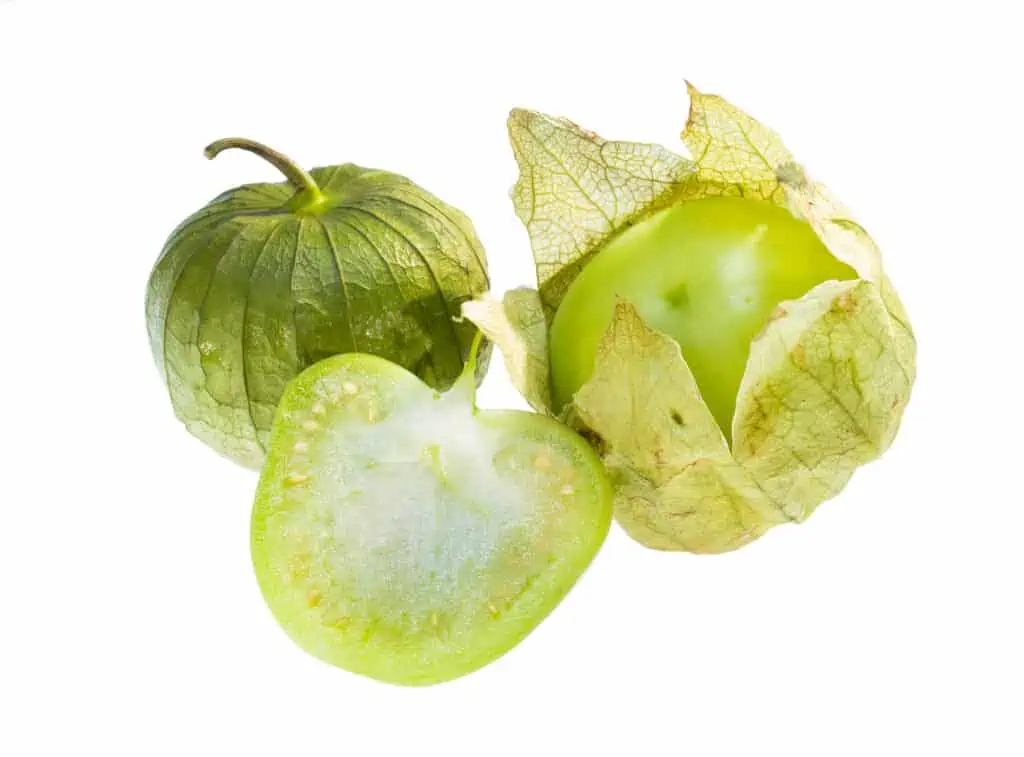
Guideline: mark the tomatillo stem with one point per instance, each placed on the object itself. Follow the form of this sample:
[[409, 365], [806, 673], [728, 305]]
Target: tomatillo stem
[[300, 178]]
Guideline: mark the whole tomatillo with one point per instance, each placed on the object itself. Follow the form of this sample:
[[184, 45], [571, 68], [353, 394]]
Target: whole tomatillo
[[268, 279], [719, 326]]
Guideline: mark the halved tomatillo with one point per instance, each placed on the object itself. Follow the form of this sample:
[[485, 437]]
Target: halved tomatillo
[[407, 536]]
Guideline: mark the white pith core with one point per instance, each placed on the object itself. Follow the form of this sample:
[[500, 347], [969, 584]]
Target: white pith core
[[423, 517]]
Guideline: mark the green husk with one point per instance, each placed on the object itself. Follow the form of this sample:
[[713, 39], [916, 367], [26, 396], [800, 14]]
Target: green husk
[[827, 380], [268, 279]]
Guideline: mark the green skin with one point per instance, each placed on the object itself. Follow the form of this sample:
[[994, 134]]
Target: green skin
[[708, 273], [404, 535]]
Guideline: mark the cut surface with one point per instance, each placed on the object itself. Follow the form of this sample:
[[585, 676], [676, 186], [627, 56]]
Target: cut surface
[[404, 535], [708, 274]]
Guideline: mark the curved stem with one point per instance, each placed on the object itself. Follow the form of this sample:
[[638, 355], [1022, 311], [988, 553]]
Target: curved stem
[[299, 177]]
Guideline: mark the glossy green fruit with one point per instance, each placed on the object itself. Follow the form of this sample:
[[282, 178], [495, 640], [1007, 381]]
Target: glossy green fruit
[[404, 535], [270, 278], [708, 273]]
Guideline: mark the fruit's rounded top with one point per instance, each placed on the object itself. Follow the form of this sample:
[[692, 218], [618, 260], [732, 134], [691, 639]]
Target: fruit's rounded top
[[307, 193]]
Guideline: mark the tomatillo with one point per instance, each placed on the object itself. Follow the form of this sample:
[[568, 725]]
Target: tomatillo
[[405, 535], [708, 273], [268, 279], [719, 326]]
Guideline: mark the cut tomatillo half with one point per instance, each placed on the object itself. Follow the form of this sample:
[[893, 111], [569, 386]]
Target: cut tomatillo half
[[707, 273], [719, 326], [406, 535]]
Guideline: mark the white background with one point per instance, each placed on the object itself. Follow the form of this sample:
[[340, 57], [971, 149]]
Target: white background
[[889, 624]]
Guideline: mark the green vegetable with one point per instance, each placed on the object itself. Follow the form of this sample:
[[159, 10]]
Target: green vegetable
[[270, 278], [404, 535], [720, 327], [708, 273]]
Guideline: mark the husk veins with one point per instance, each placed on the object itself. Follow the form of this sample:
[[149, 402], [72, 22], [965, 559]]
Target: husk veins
[[249, 291]]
